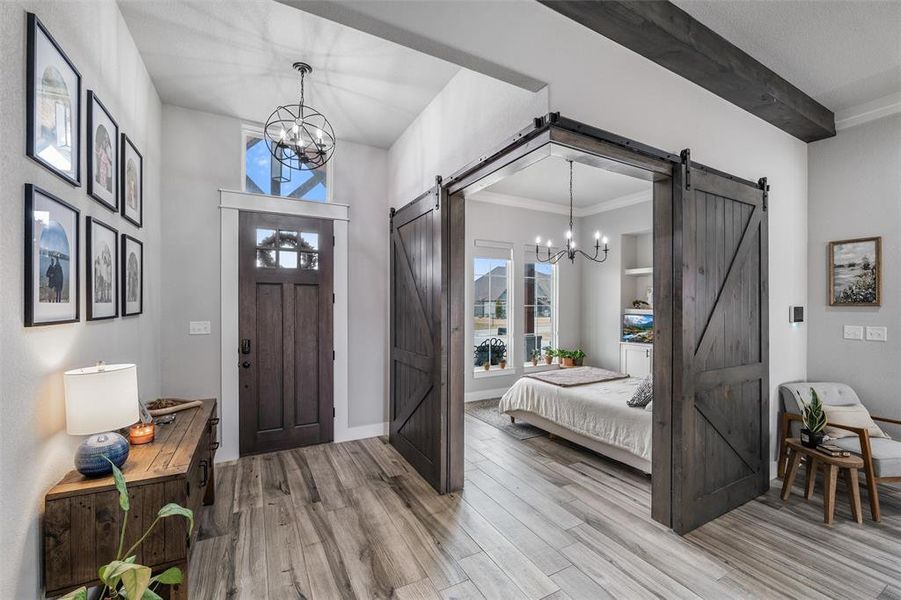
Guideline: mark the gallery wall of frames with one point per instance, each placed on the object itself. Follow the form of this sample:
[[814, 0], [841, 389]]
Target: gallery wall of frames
[[113, 259]]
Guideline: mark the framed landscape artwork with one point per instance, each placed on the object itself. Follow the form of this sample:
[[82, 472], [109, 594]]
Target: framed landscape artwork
[[53, 113], [855, 272], [132, 276], [51, 259], [102, 270], [103, 154], [132, 176]]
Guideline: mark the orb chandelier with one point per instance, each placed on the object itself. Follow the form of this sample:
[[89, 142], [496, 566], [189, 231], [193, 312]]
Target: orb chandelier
[[299, 136], [570, 251]]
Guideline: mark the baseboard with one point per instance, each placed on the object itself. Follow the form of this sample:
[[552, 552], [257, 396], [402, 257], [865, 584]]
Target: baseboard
[[484, 394], [361, 432]]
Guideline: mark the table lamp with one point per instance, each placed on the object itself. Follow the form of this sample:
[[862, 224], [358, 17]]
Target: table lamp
[[99, 400]]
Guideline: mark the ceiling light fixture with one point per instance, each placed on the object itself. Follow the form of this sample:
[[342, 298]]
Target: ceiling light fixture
[[570, 251], [298, 135]]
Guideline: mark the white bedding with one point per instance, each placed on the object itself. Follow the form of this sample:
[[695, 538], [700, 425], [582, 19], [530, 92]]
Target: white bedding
[[597, 411]]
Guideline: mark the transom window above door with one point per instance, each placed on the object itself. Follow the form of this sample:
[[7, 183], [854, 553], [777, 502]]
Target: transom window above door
[[264, 175], [285, 249]]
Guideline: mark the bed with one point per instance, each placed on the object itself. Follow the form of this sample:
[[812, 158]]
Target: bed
[[595, 416]]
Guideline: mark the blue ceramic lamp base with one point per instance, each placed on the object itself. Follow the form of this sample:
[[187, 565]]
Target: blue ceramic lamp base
[[89, 458]]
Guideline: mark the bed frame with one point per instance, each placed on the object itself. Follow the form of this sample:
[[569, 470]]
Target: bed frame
[[607, 450]]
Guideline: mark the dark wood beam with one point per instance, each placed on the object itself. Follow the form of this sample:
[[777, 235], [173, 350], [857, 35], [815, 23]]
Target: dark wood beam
[[669, 36]]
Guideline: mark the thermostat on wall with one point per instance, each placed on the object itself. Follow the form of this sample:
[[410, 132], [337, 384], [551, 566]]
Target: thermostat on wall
[[795, 314]]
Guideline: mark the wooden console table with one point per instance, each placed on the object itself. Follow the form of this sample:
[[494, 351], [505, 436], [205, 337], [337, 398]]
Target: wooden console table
[[82, 518], [831, 466]]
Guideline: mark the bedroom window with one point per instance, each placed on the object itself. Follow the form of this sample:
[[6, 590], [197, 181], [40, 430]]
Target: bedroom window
[[539, 304], [491, 323], [263, 175]]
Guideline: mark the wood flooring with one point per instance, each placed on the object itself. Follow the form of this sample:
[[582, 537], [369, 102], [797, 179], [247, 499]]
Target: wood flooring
[[538, 518]]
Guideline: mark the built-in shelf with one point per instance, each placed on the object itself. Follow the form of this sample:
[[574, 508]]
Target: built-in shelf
[[639, 271]]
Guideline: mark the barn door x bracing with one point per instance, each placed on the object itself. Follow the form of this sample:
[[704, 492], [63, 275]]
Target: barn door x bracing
[[721, 417], [418, 426]]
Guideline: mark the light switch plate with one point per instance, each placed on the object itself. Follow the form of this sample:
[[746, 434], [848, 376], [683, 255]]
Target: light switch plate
[[853, 332], [877, 334], [199, 328]]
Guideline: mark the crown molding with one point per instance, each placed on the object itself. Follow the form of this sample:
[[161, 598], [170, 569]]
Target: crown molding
[[868, 111], [561, 209]]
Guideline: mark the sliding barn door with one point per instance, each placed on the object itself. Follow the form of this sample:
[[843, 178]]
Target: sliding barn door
[[418, 426], [721, 417]]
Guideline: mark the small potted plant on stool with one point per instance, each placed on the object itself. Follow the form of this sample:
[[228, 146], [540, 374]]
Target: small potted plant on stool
[[814, 421]]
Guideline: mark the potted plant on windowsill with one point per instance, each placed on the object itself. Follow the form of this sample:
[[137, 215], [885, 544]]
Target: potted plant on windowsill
[[486, 365], [814, 419], [536, 354], [578, 357], [567, 359], [549, 355], [502, 363]]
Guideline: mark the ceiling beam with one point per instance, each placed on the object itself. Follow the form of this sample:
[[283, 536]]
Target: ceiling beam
[[667, 35]]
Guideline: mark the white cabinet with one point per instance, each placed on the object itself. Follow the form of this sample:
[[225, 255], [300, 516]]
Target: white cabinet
[[636, 359]]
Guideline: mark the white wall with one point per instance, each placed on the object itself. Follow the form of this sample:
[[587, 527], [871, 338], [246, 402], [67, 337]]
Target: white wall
[[35, 450], [519, 227], [194, 175], [855, 190]]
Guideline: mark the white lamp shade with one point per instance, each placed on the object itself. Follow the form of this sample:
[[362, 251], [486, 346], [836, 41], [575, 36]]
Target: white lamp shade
[[101, 398]]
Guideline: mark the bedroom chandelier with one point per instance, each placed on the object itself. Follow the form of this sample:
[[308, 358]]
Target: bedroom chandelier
[[570, 251], [299, 136]]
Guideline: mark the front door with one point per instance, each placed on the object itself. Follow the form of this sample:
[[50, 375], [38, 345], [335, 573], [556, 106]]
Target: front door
[[721, 409], [285, 330]]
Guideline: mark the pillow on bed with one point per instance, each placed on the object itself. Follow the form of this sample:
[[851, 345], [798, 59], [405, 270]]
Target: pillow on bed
[[650, 406], [644, 393]]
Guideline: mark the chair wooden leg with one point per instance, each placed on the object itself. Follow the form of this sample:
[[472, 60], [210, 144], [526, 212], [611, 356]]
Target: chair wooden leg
[[854, 494], [872, 491], [811, 476], [830, 477], [794, 459], [513, 419]]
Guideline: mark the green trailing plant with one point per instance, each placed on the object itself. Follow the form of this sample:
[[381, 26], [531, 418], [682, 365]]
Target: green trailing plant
[[123, 578], [814, 416], [548, 351], [573, 354], [536, 354]]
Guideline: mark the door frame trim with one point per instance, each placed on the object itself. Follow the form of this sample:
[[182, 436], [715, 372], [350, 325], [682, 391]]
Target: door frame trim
[[231, 203]]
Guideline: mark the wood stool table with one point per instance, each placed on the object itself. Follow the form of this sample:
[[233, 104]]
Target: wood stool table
[[831, 466]]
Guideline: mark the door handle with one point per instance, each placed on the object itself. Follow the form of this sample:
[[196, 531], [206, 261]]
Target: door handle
[[245, 364], [245, 346]]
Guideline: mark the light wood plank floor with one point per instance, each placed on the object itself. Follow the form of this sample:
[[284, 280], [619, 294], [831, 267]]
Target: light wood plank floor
[[538, 519]]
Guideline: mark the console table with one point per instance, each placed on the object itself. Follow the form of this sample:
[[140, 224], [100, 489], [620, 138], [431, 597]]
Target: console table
[[82, 518]]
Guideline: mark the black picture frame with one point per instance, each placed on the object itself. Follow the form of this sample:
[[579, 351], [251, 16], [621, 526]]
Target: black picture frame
[[90, 224], [34, 26], [31, 317], [94, 101], [123, 259], [123, 181]]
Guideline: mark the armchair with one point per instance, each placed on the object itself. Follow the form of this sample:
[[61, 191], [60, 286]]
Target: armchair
[[881, 456]]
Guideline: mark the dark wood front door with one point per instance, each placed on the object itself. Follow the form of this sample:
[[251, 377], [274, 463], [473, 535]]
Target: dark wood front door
[[418, 429], [721, 406], [286, 344]]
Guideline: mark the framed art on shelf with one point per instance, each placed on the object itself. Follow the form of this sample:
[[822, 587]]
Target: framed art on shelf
[[103, 154], [52, 256], [855, 272], [102, 270], [53, 112], [132, 177], [132, 257]]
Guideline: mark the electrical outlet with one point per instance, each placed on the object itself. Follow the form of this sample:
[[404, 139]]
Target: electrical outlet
[[199, 328], [877, 334], [853, 332]]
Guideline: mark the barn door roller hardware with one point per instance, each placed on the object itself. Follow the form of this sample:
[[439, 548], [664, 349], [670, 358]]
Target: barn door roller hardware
[[763, 185], [437, 192], [686, 162]]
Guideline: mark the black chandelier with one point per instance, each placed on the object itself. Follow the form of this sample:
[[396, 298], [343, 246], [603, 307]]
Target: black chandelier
[[299, 136], [570, 251]]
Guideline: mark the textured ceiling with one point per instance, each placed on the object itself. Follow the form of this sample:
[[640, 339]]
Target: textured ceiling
[[548, 181], [234, 58], [842, 53]]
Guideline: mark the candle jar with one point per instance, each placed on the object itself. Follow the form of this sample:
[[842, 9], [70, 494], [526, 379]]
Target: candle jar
[[141, 433]]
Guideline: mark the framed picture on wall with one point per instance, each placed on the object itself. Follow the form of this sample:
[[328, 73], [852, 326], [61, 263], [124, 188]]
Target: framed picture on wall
[[51, 259], [132, 258], [103, 154], [855, 272], [102, 270], [53, 113], [132, 176]]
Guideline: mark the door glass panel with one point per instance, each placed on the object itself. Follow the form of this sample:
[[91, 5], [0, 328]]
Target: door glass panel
[[309, 241], [266, 238], [309, 260], [266, 258], [287, 259], [287, 239]]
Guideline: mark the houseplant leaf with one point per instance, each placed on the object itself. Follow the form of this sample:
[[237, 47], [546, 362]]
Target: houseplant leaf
[[124, 503], [174, 509], [169, 576], [151, 595], [79, 594], [136, 580]]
